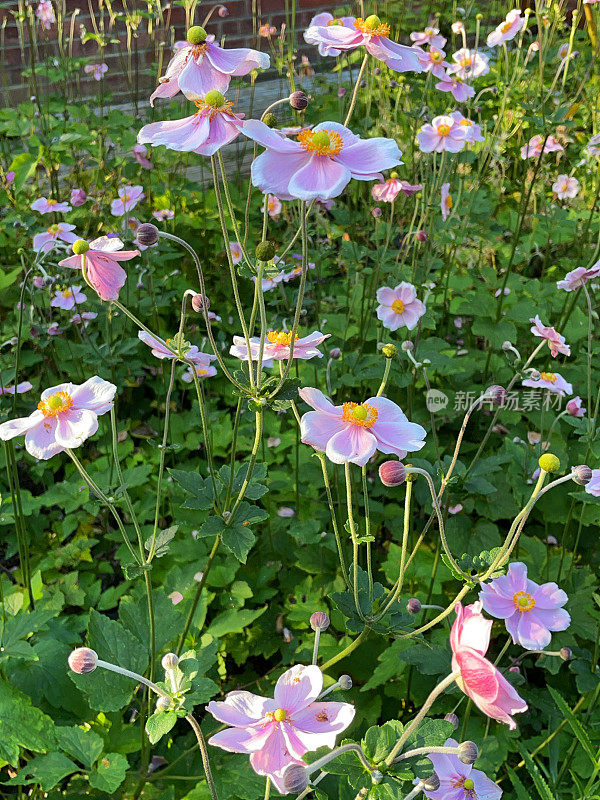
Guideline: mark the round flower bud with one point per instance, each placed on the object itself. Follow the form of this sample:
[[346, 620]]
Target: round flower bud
[[265, 251], [363, 84], [270, 120], [83, 660], [169, 661], [432, 783], [372, 22], [335, 353], [506, 345], [80, 247], [345, 682], [214, 98], [147, 234], [407, 346], [196, 35], [295, 778], [497, 394], [200, 302], [582, 474], [535, 375], [163, 703], [453, 719], [319, 621], [223, 12], [298, 100], [468, 752], [376, 71], [392, 473], [413, 606], [389, 350], [422, 236], [376, 776], [549, 462], [566, 653]]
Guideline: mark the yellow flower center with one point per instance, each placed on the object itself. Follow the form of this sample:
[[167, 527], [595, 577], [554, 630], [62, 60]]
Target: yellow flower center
[[506, 27], [205, 108], [523, 601], [551, 377], [280, 714], [371, 26], [398, 306], [466, 62], [53, 229], [448, 202], [322, 143], [55, 404], [466, 122], [443, 130], [360, 414], [67, 293], [52, 202], [280, 337], [469, 784], [436, 56], [335, 22]]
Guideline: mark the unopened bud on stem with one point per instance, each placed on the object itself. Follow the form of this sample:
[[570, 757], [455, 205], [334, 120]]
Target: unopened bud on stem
[[147, 234], [83, 660], [319, 621], [468, 752]]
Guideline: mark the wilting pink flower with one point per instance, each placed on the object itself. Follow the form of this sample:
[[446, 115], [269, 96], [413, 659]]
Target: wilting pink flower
[[197, 69], [68, 298], [575, 407], [277, 733], [469, 64], [78, 197], [578, 277], [20, 388], [534, 148], [66, 416], [430, 36], [530, 611], [45, 14], [593, 487], [320, 164], [84, 318], [563, 52], [202, 371], [387, 191], [479, 679], [455, 509], [432, 60], [54, 330], [460, 781], [273, 205], [266, 31], [566, 186], [164, 349], [140, 153], [162, 214], [205, 132], [60, 231], [507, 30], [442, 134], [353, 432], [556, 342], [236, 252], [297, 271], [326, 19], [277, 346], [45, 206], [371, 34], [446, 201], [399, 307], [593, 146], [129, 197], [460, 90], [96, 70], [473, 130], [551, 381], [100, 265]]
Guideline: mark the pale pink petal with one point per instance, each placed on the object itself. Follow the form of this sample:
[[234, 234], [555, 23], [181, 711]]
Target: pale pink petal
[[240, 709], [75, 426], [234, 740], [40, 441], [355, 444], [317, 400], [316, 429], [321, 179], [298, 687], [17, 427]]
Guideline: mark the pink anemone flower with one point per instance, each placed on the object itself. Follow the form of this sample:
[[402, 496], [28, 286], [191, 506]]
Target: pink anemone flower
[[60, 231], [129, 197], [97, 71], [430, 36], [387, 191], [575, 407], [399, 307], [593, 487], [433, 60], [99, 262], [210, 128], [370, 33], [472, 128], [460, 90], [530, 611], [20, 388], [199, 66], [236, 252], [593, 146], [578, 277], [68, 298], [184, 350], [551, 381], [507, 30], [277, 346], [78, 197], [353, 432], [325, 19], [444, 133], [566, 187], [140, 153], [460, 781], [273, 206], [278, 732], [556, 342], [320, 164], [66, 416], [534, 147], [446, 201], [202, 371], [45, 206], [45, 14], [469, 64], [478, 678]]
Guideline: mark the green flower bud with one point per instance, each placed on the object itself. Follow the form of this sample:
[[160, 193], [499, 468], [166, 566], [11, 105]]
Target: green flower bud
[[214, 98], [265, 251], [196, 35], [270, 120], [80, 247], [549, 462]]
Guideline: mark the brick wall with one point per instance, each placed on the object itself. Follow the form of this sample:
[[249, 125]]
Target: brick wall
[[150, 41]]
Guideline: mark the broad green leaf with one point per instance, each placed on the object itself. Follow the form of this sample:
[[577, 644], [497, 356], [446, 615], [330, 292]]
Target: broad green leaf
[[160, 723], [47, 770], [109, 773], [84, 746], [22, 725]]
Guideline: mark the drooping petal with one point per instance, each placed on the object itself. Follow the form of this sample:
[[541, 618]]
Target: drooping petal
[[239, 709], [75, 426], [298, 687], [320, 179], [354, 444], [17, 427], [237, 61], [40, 440], [199, 77], [105, 275], [269, 138], [95, 394], [317, 400]]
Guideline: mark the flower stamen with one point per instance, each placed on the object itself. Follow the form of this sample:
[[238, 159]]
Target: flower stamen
[[398, 306], [360, 414], [280, 337], [322, 142], [523, 601], [551, 377], [55, 404], [379, 30]]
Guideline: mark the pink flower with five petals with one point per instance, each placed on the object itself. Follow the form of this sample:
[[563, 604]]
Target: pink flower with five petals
[[399, 307], [578, 277], [60, 231], [444, 133], [277, 346], [100, 265], [460, 781]]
